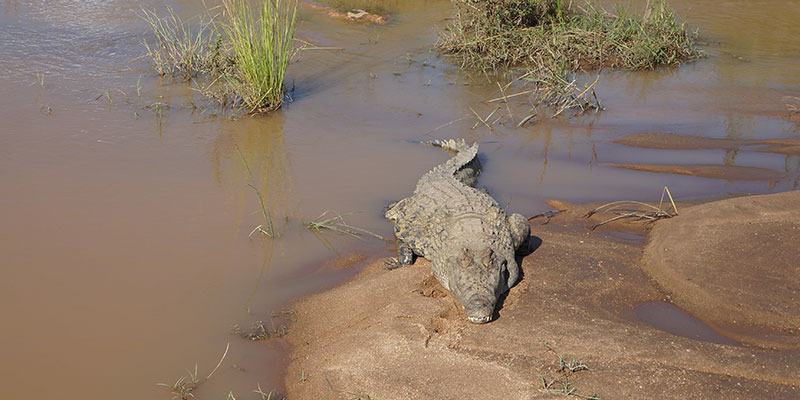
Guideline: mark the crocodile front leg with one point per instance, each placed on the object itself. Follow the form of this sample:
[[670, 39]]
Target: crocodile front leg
[[405, 256]]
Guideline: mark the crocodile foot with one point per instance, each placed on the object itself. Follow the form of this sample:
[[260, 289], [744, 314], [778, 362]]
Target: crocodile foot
[[406, 256], [393, 263]]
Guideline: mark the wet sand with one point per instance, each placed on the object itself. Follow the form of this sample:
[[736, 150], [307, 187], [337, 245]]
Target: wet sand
[[399, 335]]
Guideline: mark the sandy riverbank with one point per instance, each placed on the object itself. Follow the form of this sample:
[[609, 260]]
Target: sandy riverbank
[[399, 335]]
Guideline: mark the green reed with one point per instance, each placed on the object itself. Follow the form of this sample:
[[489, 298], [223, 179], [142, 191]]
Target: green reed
[[261, 43]]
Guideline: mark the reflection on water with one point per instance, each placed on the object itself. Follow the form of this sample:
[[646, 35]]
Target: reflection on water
[[125, 236], [264, 154], [374, 6], [735, 128]]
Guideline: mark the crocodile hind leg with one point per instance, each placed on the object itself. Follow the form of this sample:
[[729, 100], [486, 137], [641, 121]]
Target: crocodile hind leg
[[405, 256], [520, 231], [468, 174]]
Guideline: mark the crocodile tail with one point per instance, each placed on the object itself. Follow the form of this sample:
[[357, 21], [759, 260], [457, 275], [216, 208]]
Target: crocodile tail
[[456, 145], [464, 166]]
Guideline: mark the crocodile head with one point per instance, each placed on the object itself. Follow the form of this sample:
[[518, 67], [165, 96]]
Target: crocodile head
[[476, 280]]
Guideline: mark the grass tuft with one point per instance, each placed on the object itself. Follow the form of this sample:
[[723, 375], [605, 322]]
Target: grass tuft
[[260, 331], [552, 40], [183, 388], [241, 54], [564, 382], [261, 47], [261, 43], [179, 49]]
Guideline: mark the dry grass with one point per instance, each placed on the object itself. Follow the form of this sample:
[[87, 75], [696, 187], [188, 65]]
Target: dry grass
[[183, 49], [636, 210]]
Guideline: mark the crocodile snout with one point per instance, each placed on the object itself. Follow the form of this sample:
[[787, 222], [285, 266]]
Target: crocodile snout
[[479, 310]]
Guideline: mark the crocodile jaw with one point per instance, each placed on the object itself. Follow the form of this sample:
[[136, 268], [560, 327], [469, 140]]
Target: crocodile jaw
[[480, 320]]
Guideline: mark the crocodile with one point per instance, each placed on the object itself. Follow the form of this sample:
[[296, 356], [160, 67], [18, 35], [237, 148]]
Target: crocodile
[[461, 230]]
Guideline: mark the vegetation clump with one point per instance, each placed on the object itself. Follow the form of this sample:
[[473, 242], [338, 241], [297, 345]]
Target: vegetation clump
[[241, 53], [564, 383], [261, 47], [493, 33], [552, 39], [180, 50]]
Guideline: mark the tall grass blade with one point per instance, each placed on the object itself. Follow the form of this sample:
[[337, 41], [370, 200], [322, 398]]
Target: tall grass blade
[[267, 228]]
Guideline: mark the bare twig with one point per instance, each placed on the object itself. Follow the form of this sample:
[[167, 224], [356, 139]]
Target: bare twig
[[666, 190], [548, 215], [504, 97], [526, 119], [479, 118], [635, 209], [573, 102], [505, 100], [450, 123]]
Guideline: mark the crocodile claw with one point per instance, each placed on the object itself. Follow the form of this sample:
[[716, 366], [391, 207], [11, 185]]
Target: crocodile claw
[[393, 263]]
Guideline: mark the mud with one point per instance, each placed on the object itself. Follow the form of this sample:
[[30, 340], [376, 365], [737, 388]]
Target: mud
[[398, 335]]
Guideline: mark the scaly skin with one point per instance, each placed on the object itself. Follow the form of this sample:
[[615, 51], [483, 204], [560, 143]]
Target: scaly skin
[[462, 231]]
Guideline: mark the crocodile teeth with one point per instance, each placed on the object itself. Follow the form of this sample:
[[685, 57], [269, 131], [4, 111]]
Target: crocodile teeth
[[480, 320]]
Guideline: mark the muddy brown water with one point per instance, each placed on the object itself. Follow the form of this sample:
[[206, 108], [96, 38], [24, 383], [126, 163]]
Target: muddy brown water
[[124, 243]]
